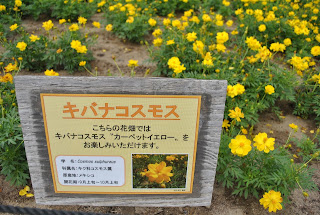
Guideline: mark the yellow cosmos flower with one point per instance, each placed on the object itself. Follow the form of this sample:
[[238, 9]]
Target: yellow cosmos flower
[[222, 37], [13, 27], [194, 19], [229, 23], [152, 22], [29, 195], [191, 36], [82, 20], [262, 28], [263, 143], [236, 114], [170, 42], [157, 42], [176, 23], [276, 47], [170, 158], [269, 89], [34, 38], [253, 43], [11, 67], [173, 62], [219, 23], [315, 51], [61, 21], [76, 44], [6, 78], [132, 63], [287, 42], [51, 73], [234, 32], [47, 25], [207, 61], [130, 19], [159, 173], [198, 47], [166, 22], [239, 11], [240, 146], [22, 46], [22, 192], [109, 27], [206, 18], [82, 63], [235, 90], [294, 127], [18, 3], [2, 7], [111, 8], [225, 124], [59, 51], [100, 4], [96, 24], [157, 32], [271, 200], [244, 131], [299, 63], [27, 188], [179, 69], [74, 27], [221, 47]]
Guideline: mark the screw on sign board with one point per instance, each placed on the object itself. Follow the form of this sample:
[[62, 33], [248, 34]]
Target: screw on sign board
[[114, 141]]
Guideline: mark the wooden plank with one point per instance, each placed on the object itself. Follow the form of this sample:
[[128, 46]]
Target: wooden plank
[[28, 89]]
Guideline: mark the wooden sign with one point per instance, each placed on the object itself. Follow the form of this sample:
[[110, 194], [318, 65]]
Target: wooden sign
[[112, 141]]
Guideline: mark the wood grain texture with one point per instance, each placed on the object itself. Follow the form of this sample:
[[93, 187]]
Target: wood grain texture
[[213, 92]]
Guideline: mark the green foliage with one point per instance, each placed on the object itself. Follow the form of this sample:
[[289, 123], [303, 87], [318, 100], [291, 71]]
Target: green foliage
[[308, 97], [61, 9], [184, 5], [49, 52], [232, 66], [259, 171], [127, 21], [72, 9], [282, 21], [13, 161], [163, 8], [219, 7], [307, 148]]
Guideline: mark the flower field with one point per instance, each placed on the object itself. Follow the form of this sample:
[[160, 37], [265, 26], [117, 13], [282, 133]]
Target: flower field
[[267, 50]]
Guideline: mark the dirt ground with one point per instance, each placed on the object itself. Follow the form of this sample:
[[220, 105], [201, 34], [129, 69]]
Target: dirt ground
[[223, 203]]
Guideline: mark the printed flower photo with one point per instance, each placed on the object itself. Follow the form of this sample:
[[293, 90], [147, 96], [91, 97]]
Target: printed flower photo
[[159, 170]]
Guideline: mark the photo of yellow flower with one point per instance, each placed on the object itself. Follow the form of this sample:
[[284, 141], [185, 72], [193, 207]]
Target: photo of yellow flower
[[159, 170]]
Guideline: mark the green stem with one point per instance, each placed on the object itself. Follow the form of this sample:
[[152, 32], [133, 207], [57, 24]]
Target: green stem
[[118, 67], [132, 72], [298, 183], [288, 139], [89, 71], [18, 146], [304, 165]]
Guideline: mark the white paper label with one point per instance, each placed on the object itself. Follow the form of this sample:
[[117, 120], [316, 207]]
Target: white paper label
[[91, 170]]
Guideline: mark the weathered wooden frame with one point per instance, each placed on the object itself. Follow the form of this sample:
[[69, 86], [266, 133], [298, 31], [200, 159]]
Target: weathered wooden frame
[[213, 92]]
